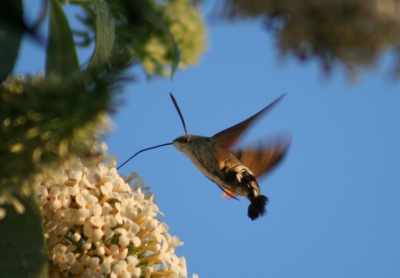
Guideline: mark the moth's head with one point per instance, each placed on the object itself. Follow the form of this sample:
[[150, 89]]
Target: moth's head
[[181, 142]]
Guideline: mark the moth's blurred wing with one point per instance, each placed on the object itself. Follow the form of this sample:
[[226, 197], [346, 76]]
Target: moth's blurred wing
[[263, 157], [227, 194], [228, 137]]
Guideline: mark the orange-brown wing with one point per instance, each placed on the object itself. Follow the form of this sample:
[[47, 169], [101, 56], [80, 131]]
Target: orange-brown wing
[[228, 194], [263, 157], [228, 137]]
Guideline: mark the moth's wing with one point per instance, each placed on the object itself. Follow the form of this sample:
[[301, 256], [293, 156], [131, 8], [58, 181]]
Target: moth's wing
[[228, 137], [262, 157], [228, 194]]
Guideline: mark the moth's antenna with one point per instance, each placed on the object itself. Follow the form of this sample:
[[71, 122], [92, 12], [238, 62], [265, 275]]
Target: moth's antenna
[[179, 111], [162, 145]]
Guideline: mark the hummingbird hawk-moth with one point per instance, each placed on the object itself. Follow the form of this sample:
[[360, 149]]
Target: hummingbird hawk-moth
[[235, 171]]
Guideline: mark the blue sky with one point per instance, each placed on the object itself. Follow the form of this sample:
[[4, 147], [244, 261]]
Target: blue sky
[[334, 207]]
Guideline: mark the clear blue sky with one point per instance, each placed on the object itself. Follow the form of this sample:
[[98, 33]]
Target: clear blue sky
[[334, 207]]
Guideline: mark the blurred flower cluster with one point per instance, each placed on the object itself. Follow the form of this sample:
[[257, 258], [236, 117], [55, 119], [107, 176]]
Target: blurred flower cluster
[[350, 32], [151, 29], [188, 29], [98, 225], [41, 127]]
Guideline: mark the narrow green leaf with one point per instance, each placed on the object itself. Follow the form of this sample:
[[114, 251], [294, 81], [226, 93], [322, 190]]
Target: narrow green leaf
[[61, 58], [22, 245], [177, 58], [138, 10], [149, 15], [104, 33], [12, 28]]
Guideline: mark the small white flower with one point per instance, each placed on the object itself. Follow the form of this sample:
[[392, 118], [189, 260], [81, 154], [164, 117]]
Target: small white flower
[[85, 260], [118, 253], [119, 270], [63, 257], [132, 266], [54, 202], [107, 191], [92, 227], [126, 237], [95, 268], [106, 265], [109, 223], [76, 175], [73, 190], [173, 242], [89, 205]]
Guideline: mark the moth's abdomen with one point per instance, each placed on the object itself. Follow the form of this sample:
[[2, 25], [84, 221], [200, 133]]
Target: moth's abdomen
[[257, 207], [239, 178], [258, 202], [245, 183]]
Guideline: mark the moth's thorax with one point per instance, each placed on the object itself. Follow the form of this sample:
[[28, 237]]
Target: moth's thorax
[[201, 152]]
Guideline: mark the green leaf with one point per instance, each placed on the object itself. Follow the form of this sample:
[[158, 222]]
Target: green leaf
[[61, 58], [12, 28], [22, 245], [104, 33], [138, 10], [149, 15]]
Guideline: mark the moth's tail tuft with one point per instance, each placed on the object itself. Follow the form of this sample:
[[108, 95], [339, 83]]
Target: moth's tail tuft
[[257, 207]]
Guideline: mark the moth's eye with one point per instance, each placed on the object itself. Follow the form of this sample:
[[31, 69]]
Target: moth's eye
[[182, 140]]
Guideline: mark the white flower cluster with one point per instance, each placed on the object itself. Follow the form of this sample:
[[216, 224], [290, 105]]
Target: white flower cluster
[[96, 225]]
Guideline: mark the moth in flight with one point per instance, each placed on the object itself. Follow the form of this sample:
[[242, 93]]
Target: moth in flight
[[235, 171]]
